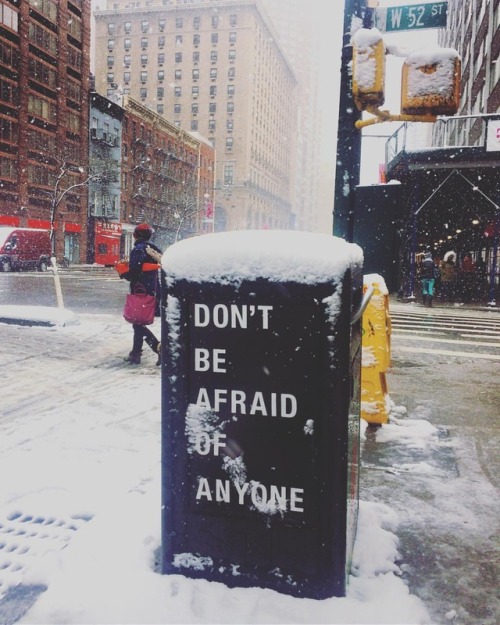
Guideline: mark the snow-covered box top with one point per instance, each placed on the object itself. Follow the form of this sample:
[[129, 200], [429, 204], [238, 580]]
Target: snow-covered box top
[[276, 255]]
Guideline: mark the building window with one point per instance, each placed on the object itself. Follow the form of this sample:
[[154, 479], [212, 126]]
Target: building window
[[177, 109], [196, 22], [144, 59], [213, 73], [143, 92], [9, 18], [144, 76], [177, 92], [194, 108], [9, 92], [231, 73], [214, 38], [160, 109], [8, 168], [212, 107], [196, 40], [232, 55], [75, 58], [215, 21], [145, 26], [229, 125], [42, 108], [196, 73], [233, 20], [161, 41], [8, 130], [42, 38], [211, 125], [40, 72], [196, 56], [194, 125], [228, 175], [9, 55], [161, 75], [213, 90], [213, 56], [111, 60], [73, 122], [161, 25], [232, 37], [195, 92], [160, 92], [161, 58], [178, 40], [178, 57], [178, 74], [126, 60], [110, 77], [127, 27], [179, 22], [144, 42], [229, 144], [45, 7], [127, 43], [230, 107], [75, 27], [126, 77], [230, 90]]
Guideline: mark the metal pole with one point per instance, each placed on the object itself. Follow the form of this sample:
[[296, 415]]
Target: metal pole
[[348, 137]]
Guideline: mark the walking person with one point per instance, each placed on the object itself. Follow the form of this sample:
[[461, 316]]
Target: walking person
[[140, 274], [468, 275], [448, 279], [428, 276]]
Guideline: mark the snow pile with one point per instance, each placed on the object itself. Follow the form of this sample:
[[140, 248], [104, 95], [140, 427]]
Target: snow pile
[[431, 71], [275, 255]]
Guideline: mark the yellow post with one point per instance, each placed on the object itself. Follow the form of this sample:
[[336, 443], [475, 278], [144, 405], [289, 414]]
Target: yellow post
[[376, 352]]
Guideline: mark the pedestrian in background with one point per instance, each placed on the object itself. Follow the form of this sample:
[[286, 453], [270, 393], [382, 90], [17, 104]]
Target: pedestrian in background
[[427, 276], [448, 280], [467, 278], [137, 274]]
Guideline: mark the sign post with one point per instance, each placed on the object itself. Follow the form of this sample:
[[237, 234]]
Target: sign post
[[411, 17], [260, 414]]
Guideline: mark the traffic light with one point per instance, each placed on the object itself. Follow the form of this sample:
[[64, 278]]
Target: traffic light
[[368, 68], [431, 82]]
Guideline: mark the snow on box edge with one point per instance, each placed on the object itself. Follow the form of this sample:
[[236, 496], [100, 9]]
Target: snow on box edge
[[276, 255]]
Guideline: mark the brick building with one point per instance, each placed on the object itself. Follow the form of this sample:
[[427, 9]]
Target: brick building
[[44, 86]]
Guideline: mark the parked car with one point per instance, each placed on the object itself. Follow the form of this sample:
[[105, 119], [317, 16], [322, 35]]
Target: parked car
[[24, 248]]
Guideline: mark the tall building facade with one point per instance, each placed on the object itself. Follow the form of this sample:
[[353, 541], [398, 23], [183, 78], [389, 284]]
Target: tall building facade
[[474, 30], [297, 25], [216, 68], [44, 109]]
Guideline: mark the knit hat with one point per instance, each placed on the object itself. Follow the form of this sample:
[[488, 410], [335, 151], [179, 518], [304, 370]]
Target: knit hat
[[143, 231]]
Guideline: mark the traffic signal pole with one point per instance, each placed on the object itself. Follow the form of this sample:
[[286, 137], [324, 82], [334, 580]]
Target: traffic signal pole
[[348, 136]]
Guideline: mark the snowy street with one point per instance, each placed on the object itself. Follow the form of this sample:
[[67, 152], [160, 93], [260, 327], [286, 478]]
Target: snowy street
[[80, 506]]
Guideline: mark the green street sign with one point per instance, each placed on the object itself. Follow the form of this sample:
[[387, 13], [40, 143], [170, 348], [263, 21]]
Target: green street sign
[[411, 17]]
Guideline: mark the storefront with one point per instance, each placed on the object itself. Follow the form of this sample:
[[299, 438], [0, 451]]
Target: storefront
[[107, 242]]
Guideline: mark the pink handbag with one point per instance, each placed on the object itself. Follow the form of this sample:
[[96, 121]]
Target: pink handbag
[[140, 307]]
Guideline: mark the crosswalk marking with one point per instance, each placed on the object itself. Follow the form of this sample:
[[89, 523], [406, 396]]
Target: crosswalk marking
[[442, 328], [451, 341], [443, 352]]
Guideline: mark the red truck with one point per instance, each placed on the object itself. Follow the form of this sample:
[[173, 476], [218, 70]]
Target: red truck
[[24, 248]]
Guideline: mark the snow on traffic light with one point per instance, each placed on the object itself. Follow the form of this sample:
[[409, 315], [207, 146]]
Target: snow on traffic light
[[431, 82], [368, 68]]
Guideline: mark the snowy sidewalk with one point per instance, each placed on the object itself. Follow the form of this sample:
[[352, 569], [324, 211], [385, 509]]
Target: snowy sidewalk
[[80, 499]]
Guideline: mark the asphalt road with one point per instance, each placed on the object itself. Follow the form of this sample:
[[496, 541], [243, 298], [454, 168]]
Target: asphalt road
[[84, 291]]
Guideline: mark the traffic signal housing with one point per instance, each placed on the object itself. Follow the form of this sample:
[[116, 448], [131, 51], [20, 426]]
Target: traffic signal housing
[[431, 82], [368, 68]]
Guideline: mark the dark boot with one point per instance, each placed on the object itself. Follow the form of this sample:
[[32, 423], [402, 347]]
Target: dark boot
[[133, 358], [424, 300], [430, 301]]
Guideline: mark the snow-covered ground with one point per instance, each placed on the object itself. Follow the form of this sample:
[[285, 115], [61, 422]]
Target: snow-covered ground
[[80, 499]]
